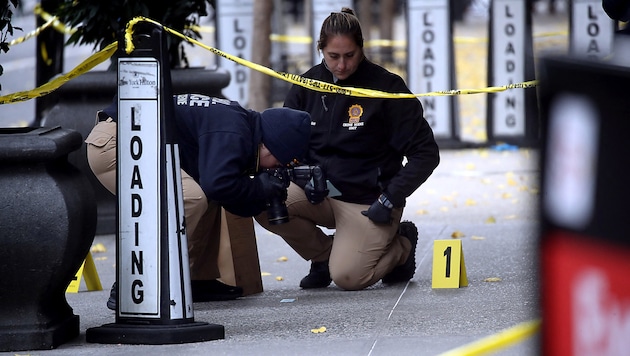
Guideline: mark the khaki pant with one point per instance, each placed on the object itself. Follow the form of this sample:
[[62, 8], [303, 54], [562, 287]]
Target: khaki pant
[[203, 218], [361, 252]]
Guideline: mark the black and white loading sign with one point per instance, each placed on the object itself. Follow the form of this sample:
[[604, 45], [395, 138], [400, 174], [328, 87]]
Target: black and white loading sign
[[235, 29], [431, 64], [154, 299], [591, 30], [512, 114], [139, 189]]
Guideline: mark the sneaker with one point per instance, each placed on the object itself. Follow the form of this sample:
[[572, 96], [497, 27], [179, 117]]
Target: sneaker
[[318, 276], [405, 272], [111, 302], [202, 291], [214, 290]]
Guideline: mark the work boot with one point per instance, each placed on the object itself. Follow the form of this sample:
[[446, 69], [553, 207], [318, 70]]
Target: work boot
[[111, 302], [214, 290], [405, 272], [318, 276]]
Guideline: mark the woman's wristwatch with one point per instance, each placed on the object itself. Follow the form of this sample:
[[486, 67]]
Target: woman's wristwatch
[[385, 202]]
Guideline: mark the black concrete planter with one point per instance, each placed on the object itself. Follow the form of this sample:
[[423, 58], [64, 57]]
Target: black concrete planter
[[47, 225], [79, 99]]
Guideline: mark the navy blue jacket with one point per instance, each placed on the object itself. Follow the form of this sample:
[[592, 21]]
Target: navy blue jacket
[[218, 145], [361, 142]]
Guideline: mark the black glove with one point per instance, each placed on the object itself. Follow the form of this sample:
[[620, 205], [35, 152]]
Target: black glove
[[314, 196], [272, 187], [379, 213]]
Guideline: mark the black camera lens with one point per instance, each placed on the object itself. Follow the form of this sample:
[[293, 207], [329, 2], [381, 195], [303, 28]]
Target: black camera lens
[[277, 212]]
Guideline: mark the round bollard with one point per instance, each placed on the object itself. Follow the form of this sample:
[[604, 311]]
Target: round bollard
[[47, 225]]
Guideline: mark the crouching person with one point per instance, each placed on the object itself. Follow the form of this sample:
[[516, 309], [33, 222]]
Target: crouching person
[[224, 150], [361, 145]]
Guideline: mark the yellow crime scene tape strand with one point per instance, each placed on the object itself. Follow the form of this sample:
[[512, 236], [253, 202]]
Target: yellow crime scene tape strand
[[378, 42], [497, 341], [33, 33], [292, 78], [290, 39], [57, 25], [58, 81], [314, 84]]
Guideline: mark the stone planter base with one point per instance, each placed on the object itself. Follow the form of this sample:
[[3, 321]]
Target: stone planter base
[[48, 219]]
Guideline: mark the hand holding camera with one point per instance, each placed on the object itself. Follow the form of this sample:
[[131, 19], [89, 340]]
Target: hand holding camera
[[272, 186], [275, 183], [277, 180], [317, 189], [313, 195]]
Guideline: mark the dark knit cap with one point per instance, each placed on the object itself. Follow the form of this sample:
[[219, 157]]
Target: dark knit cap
[[286, 132]]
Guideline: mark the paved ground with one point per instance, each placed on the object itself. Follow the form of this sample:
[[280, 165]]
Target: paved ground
[[486, 195]]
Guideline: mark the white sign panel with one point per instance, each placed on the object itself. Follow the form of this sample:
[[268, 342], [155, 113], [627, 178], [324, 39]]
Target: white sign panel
[[571, 170], [429, 60], [320, 10], [139, 187], [592, 31], [177, 245], [235, 27], [508, 58]]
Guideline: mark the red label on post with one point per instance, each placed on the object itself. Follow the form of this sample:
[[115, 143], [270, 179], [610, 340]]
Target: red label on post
[[586, 295]]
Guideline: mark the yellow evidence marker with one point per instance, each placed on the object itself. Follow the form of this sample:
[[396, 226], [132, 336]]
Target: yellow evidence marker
[[92, 281], [449, 269]]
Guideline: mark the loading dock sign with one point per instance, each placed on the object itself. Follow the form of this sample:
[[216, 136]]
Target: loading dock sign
[[508, 66], [139, 188]]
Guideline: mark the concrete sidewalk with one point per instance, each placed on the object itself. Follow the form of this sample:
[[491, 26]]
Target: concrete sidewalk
[[488, 195]]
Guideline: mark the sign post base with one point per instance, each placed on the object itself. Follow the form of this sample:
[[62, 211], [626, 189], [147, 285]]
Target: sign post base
[[155, 334]]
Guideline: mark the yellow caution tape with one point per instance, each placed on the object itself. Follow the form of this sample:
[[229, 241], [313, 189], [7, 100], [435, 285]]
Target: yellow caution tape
[[209, 29], [44, 53], [57, 25], [314, 84], [53, 84], [33, 33], [498, 341], [378, 42], [385, 43], [292, 39]]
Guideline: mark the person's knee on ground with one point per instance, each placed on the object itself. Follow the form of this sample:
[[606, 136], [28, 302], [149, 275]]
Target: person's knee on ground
[[351, 278]]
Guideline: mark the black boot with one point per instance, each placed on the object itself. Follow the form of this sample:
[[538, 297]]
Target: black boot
[[318, 276], [405, 272], [111, 302], [214, 290]]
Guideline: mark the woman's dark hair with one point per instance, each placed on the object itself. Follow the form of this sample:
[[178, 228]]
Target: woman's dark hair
[[340, 23]]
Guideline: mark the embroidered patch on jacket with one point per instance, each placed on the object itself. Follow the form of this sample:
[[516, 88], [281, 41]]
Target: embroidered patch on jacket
[[354, 121]]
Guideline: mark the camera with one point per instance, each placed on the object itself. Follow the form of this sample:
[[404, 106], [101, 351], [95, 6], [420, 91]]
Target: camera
[[276, 208]]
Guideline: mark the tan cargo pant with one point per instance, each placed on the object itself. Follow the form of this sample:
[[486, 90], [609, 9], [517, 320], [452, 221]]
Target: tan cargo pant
[[361, 252], [203, 218]]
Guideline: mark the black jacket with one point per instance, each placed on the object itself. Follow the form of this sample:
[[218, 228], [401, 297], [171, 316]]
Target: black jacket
[[361, 142], [218, 145]]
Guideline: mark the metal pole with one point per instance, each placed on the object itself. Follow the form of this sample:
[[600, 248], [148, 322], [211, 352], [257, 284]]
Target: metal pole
[[49, 60]]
